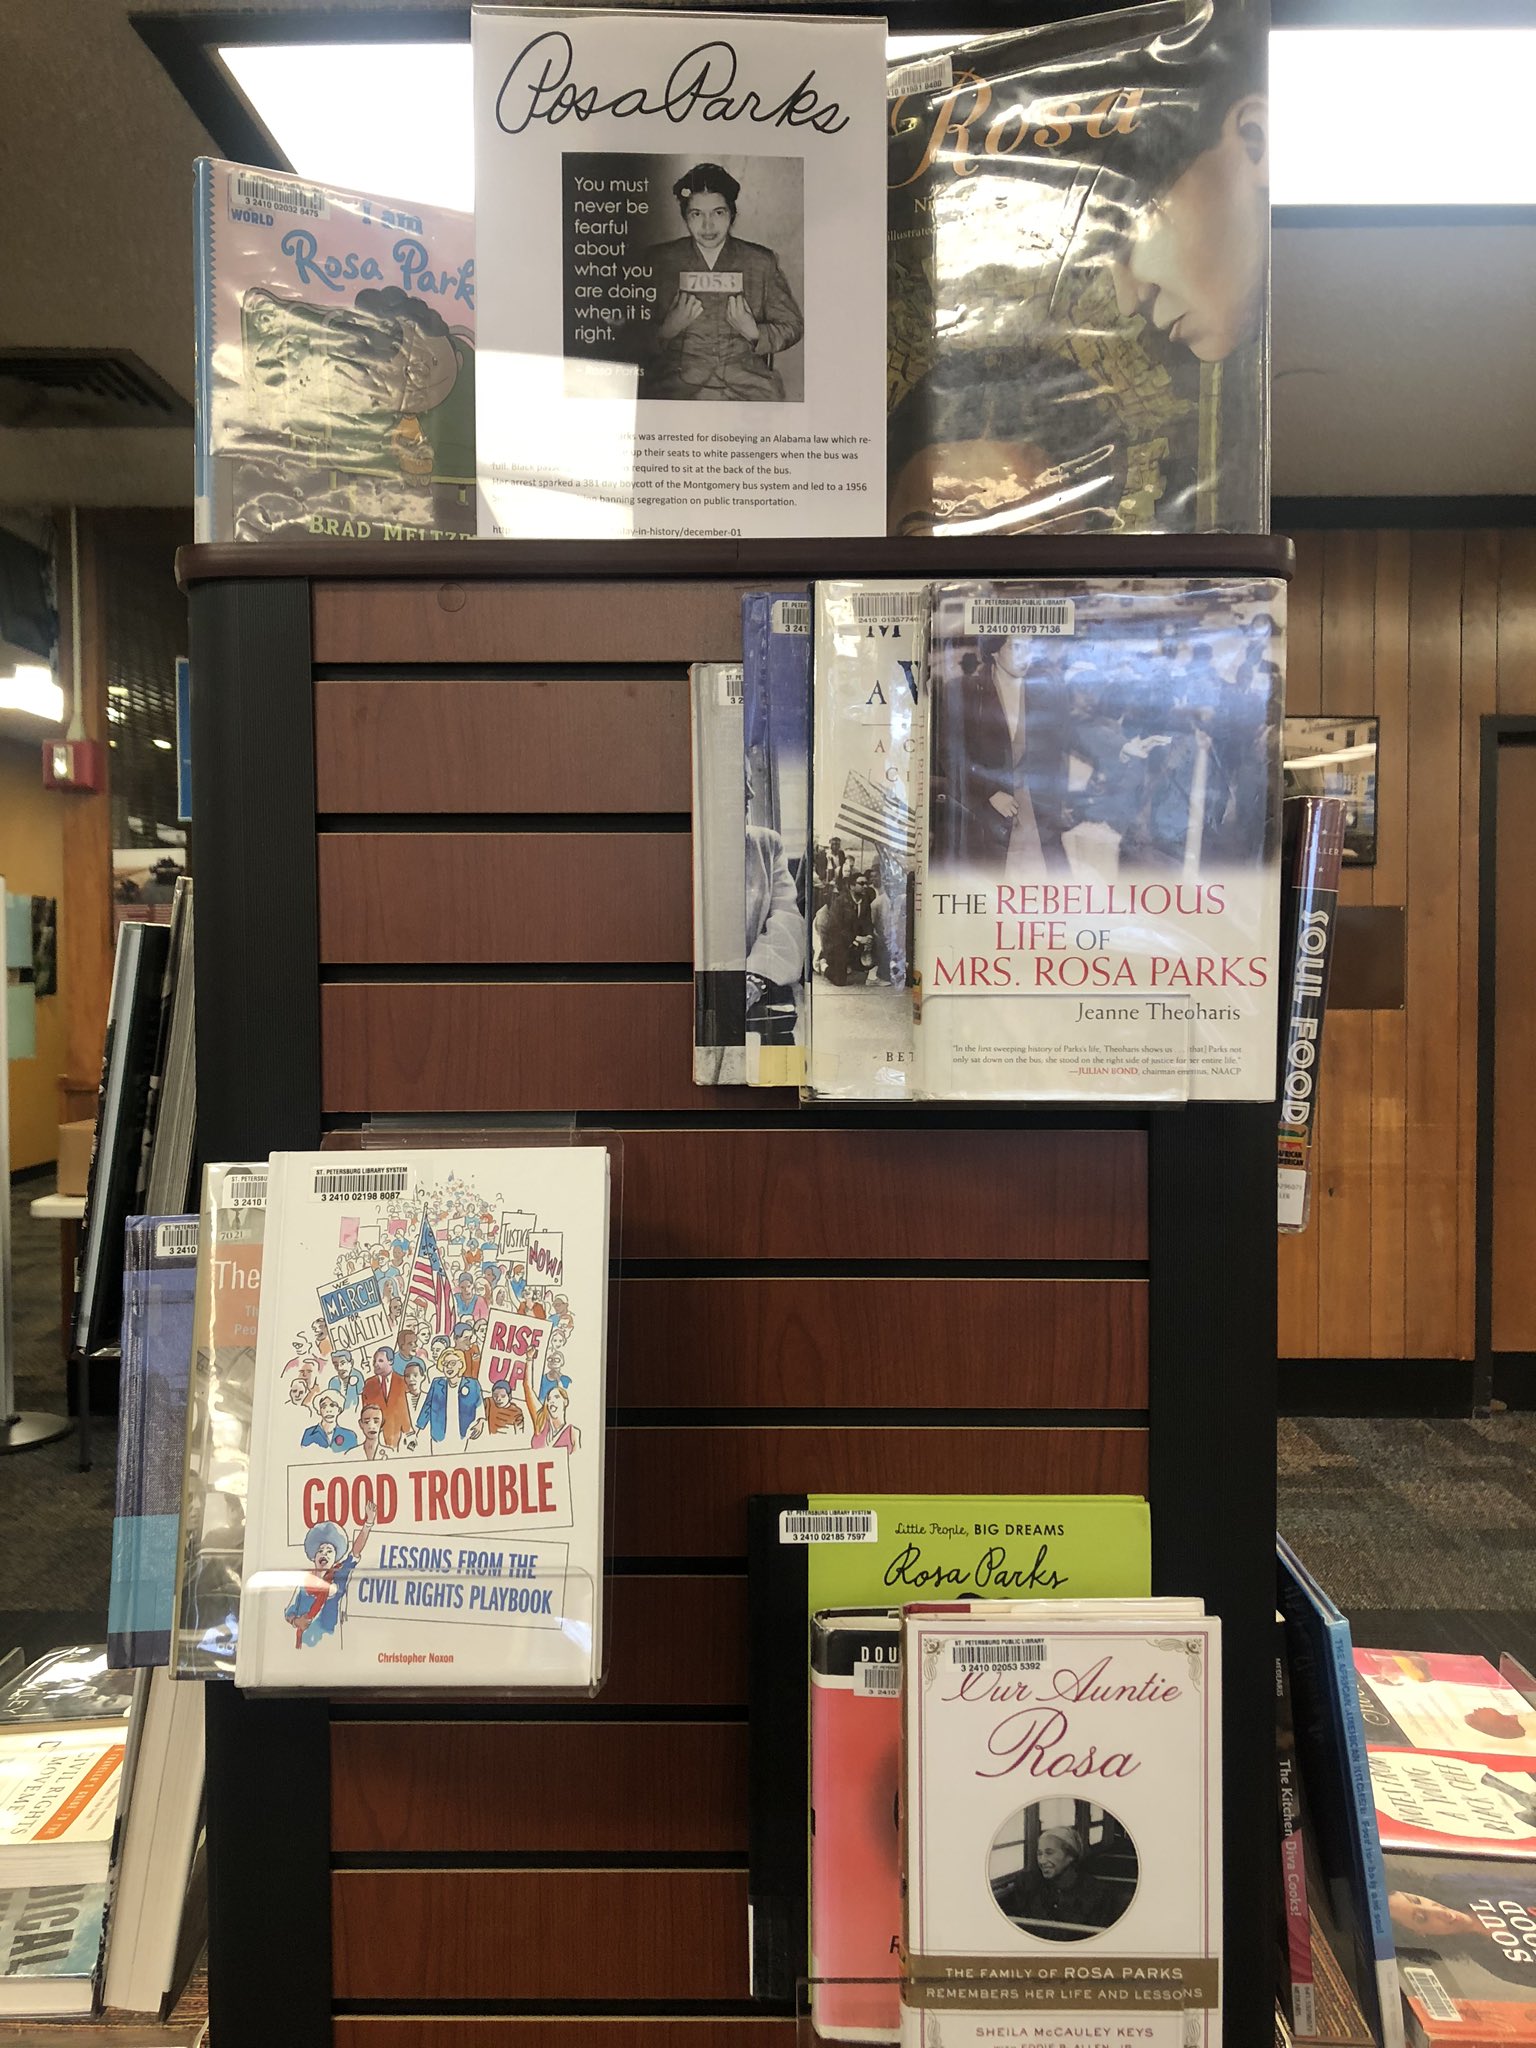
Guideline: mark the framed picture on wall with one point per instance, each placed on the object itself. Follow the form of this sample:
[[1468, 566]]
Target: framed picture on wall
[[1330, 755]]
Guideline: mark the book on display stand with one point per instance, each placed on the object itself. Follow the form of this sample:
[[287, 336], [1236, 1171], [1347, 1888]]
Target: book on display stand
[[428, 1493]]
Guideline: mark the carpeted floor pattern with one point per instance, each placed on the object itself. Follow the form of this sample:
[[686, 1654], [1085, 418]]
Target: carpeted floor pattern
[[1399, 1519]]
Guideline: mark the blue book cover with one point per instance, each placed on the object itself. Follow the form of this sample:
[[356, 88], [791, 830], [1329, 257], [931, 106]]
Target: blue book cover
[[159, 1288], [1330, 1740], [776, 740], [50, 1934]]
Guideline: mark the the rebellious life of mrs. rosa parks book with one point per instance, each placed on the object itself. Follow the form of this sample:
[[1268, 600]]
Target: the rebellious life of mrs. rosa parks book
[[427, 1475]]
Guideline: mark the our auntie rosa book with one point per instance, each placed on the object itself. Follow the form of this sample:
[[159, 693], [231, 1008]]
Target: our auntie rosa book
[[1061, 1844]]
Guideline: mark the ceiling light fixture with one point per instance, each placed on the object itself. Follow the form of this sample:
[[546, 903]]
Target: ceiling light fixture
[[30, 688], [1347, 124]]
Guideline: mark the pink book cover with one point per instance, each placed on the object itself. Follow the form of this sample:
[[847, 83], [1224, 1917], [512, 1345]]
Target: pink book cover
[[855, 1846], [335, 361]]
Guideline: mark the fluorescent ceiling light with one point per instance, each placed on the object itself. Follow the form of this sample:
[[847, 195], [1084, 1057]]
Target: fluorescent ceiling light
[[1351, 122], [163, 745], [30, 688], [1348, 126]]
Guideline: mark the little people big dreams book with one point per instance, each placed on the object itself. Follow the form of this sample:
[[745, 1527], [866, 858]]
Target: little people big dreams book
[[427, 1468]]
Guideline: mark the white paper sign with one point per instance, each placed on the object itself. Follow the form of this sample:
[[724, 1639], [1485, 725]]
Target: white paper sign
[[623, 160]]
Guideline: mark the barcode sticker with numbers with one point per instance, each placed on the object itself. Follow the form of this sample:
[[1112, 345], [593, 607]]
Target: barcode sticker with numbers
[[1426, 1987], [998, 1653], [175, 1240], [877, 1681], [890, 607], [923, 74], [730, 686], [829, 1525], [245, 1191], [1041, 618], [278, 195], [360, 1183], [790, 615]]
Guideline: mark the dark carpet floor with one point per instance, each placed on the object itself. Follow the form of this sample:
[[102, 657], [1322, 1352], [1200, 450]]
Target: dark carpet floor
[[1407, 1523]]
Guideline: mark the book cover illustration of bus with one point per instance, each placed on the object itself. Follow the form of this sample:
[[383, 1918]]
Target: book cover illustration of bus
[[336, 353]]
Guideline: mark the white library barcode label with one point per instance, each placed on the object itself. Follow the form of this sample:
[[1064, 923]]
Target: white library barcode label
[[175, 1240], [277, 195], [890, 607], [828, 1525], [730, 685], [360, 1183], [998, 1653], [923, 74], [245, 1191], [790, 615], [1044, 618], [1426, 1987], [877, 1681]]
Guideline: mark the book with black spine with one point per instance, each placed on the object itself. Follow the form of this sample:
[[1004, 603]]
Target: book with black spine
[[1312, 859]]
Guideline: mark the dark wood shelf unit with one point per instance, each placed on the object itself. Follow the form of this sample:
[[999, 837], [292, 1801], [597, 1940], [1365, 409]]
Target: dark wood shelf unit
[[443, 877]]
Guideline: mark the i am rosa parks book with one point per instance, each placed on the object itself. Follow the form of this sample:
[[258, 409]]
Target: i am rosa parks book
[[431, 1513]]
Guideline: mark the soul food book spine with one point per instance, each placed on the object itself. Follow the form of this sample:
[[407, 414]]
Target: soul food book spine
[[719, 958], [1079, 277], [428, 1509], [160, 1288], [1061, 1834], [1099, 906], [1313, 857], [776, 739], [871, 644], [231, 1238], [336, 362]]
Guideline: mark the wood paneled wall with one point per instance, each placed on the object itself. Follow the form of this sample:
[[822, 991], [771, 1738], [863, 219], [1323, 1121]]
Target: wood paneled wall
[[1431, 631]]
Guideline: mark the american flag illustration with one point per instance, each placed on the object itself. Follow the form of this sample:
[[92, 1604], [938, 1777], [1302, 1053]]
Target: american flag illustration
[[429, 1291], [877, 815]]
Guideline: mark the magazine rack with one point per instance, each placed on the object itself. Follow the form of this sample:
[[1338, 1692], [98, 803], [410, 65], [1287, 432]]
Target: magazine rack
[[448, 879]]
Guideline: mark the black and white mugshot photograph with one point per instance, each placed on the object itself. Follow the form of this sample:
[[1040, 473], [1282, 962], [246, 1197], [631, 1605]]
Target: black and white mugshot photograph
[[1062, 1869], [693, 272]]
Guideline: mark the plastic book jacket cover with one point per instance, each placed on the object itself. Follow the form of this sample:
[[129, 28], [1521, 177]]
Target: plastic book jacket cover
[[1098, 907], [776, 738], [1335, 1766], [1452, 1753], [1062, 1823], [719, 957], [58, 1800], [1312, 850], [335, 362], [849, 1562], [159, 1293], [1466, 1948], [50, 1933], [871, 644], [428, 1510], [1079, 277], [218, 1433]]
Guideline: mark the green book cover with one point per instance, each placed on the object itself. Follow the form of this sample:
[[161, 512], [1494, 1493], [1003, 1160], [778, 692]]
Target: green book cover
[[810, 1552]]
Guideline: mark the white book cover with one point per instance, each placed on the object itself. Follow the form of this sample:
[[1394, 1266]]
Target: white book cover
[[428, 1510], [672, 211], [1099, 905], [59, 1788], [1062, 1829], [871, 643]]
